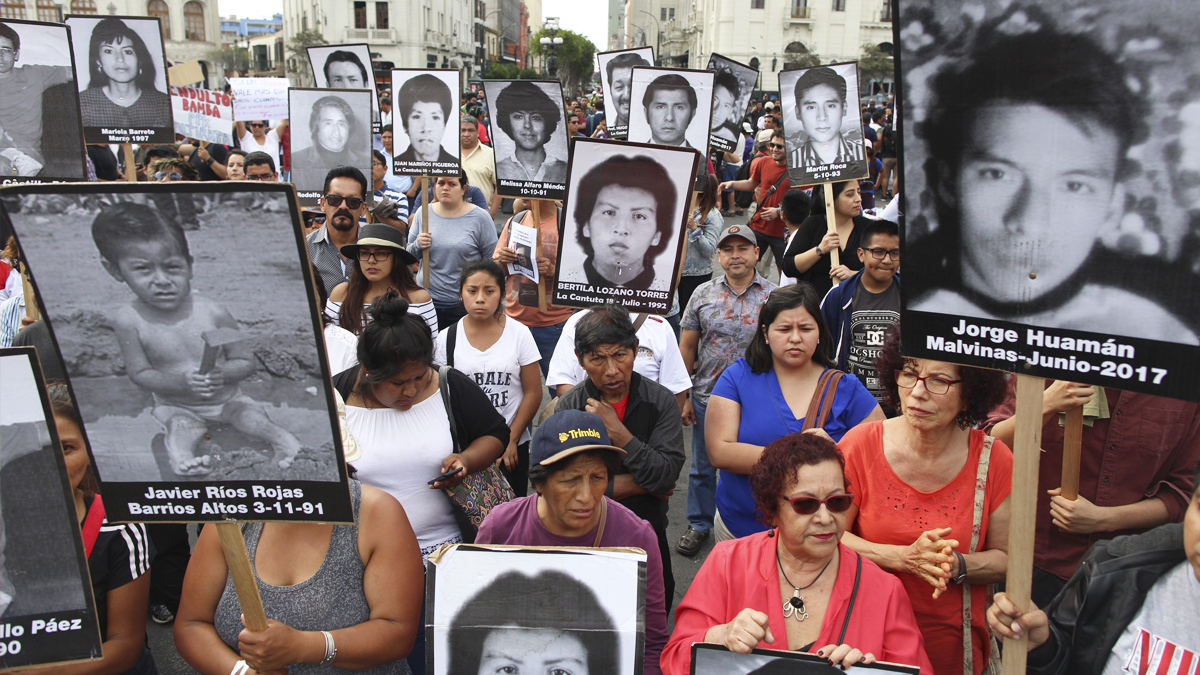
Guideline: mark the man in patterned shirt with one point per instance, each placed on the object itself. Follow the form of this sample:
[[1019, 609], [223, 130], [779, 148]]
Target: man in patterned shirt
[[717, 325]]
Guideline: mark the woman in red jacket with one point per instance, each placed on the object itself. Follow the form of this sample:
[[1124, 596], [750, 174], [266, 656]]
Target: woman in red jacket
[[796, 587]]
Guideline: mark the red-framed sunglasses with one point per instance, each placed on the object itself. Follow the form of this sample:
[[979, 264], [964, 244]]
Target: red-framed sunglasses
[[806, 506]]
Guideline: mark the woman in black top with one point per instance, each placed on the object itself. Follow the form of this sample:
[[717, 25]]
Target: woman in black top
[[118, 560], [807, 259]]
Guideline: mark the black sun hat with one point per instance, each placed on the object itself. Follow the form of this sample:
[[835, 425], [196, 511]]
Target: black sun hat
[[383, 236]]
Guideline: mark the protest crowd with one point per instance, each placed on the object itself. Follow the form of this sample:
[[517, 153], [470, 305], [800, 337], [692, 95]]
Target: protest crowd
[[845, 499]]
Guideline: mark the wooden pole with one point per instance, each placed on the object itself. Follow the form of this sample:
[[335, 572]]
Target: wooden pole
[[1072, 443], [130, 166], [831, 226], [425, 228], [1027, 446], [237, 559], [31, 308], [537, 224]]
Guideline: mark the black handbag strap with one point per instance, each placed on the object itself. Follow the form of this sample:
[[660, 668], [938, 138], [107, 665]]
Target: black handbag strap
[[444, 389], [853, 595], [774, 187], [451, 340]]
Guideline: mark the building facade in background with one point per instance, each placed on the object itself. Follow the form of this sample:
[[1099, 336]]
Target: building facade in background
[[236, 31]]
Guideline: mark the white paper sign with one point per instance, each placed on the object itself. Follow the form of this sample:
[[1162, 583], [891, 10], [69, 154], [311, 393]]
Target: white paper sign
[[523, 241], [202, 114], [259, 98]]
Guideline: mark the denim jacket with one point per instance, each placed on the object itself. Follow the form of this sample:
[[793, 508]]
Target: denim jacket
[[702, 243]]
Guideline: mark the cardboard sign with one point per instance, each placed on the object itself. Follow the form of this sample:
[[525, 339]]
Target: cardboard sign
[[330, 127], [710, 659], [123, 99], [47, 614], [595, 597], [259, 98], [616, 75], [425, 134], [184, 74], [346, 67], [529, 135], [621, 239], [1042, 244], [201, 399], [203, 114], [734, 84], [41, 137], [822, 126]]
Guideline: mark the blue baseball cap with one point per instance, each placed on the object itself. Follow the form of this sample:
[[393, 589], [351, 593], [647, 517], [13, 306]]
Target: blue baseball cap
[[566, 433]]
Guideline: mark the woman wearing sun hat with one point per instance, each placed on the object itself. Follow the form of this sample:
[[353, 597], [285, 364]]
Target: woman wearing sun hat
[[378, 263], [571, 460]]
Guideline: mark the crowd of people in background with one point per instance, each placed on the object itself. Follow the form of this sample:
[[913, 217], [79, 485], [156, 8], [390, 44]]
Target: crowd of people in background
[[860, 499]]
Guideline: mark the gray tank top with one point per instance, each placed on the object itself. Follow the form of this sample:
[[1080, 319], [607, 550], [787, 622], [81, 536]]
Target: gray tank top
[[330, 599]]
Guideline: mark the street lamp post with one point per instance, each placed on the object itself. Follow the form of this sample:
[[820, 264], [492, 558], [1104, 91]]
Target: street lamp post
[[658, 39]]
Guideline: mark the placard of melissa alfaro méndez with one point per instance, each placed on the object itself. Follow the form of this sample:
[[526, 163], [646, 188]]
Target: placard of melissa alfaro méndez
[[47, 613], [203, 397], [1040, 243]]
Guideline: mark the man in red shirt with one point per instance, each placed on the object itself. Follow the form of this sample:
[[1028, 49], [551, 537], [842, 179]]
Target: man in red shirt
[[771, 173]]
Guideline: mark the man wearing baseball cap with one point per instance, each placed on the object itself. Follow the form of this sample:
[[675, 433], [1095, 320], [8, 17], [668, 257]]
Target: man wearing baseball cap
[[714, 334], [571, 465]]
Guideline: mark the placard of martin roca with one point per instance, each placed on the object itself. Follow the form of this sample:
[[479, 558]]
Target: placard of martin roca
[[1049, 187]]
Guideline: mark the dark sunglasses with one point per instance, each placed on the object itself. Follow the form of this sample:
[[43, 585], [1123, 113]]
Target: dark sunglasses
[[806, 506], [336, 201], [257, 125], [169, 175]]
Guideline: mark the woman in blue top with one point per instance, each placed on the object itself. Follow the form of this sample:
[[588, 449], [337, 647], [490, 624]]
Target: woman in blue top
[[765, 396]]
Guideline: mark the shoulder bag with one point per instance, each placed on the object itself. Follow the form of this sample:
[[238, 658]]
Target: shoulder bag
[[993, 666], [821, 405]]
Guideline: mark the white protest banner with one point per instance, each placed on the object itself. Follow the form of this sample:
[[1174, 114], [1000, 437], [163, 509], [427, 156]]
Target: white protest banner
[[259, 98], [202, 114]]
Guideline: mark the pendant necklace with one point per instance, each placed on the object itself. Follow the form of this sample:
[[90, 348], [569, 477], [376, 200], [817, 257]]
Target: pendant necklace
[[794, 607]]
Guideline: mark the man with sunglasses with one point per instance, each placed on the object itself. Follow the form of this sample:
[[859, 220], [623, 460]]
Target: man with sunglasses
[[257, 136], [859, 311], [260, 166], [771, 173], [343, 202]]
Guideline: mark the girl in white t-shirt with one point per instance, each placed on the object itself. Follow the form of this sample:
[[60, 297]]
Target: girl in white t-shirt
[[500, 355]]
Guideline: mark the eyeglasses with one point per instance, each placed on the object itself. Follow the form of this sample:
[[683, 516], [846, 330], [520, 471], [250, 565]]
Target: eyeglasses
[[806, 506], [169, 175], [933, 383], [378, 255], [376, 163], [261, 176], [336, 201], [879, 253]]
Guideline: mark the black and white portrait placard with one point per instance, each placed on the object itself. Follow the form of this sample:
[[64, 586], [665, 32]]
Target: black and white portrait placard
[[616, 78], [822, 123], [529, 135], [201, 379], [671, 107], [330, 127], [623, 230], [47, 614], [732, 87], [41, 137], [1049, 214], [425, 122], [345, 67], [122, 79], [711, 659], [583, 609]]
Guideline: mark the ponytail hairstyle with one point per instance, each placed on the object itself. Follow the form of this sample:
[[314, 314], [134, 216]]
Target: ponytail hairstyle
[[393, 340], [63, 406]]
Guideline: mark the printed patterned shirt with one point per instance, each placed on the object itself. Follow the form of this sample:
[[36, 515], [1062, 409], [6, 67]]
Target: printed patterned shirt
[[726, 322]]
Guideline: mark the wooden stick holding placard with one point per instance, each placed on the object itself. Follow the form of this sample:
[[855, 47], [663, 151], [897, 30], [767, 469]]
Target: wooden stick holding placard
[[537, 225], [130, 167], [831, 226], [31, 308], [237, 559], [1027, 446], [1072, 444], [425, 228]]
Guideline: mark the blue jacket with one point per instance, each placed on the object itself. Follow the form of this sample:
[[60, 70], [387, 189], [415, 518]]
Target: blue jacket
[[836, 309]]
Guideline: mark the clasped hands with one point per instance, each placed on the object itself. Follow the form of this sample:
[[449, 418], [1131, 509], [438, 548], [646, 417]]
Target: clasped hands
[[931, 557]]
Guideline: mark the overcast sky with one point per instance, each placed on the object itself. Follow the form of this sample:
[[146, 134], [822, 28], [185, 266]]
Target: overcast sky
[[586, 18]]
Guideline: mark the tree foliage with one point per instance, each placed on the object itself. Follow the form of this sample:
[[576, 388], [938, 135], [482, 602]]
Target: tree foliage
[[231, 59], [874, 65], [576, 56], [502, 71], [298, 50]]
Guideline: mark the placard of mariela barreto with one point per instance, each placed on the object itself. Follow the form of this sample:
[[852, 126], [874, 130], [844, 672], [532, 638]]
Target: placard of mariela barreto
[[201, 398]]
